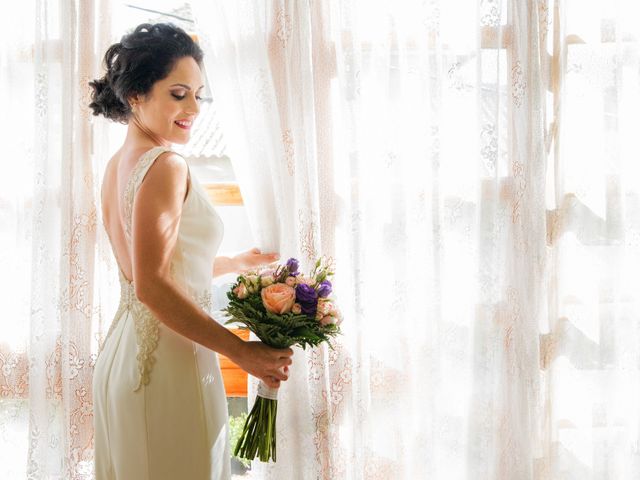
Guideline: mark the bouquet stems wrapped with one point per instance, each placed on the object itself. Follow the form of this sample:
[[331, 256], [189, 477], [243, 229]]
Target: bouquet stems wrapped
[[283, 308], [259, 433]]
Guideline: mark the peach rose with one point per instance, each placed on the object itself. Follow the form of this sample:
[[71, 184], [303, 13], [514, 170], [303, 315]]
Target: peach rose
[[325, 307], [303, 279], [297, 308], [266, 280], [278, 298], [337, 314], [326, 320]]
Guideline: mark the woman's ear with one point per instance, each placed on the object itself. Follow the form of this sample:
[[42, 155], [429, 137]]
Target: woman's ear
[[135, 100]]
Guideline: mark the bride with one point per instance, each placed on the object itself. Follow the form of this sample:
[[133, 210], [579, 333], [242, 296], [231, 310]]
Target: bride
[[160, 408]]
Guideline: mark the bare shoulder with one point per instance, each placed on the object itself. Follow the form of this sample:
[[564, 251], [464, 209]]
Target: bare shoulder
[[167, 177], [109, 178], [172, 162]]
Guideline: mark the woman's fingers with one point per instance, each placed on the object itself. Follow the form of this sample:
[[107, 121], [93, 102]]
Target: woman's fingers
[[281, 363], [271, 382], [280, 374]]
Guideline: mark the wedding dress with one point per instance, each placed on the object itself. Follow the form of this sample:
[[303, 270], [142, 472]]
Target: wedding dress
[[160, 410]]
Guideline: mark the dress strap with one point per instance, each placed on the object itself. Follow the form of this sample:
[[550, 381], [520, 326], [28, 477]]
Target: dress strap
[[135, 180], [147, 329]]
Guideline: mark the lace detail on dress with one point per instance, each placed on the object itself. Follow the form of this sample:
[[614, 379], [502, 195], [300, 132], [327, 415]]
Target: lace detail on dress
[[147, 335], [135, 179], [204, 300], [146, 325]]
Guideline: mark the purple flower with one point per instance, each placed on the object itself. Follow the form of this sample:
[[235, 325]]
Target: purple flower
[[306, 293], [307, 297], [309, 309], [292, 265], [324, 290]]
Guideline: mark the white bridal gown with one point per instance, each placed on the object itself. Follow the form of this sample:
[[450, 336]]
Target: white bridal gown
[[160, 410]]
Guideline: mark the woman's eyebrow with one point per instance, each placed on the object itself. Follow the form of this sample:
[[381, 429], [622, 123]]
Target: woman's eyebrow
[[185, 86]]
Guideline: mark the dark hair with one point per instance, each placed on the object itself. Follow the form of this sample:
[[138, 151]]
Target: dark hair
[[135, 63]]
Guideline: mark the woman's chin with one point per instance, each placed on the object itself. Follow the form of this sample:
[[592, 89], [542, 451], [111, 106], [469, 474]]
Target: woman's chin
[[180, 139]]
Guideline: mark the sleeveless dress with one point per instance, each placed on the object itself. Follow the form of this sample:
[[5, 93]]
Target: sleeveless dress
[[160, 409]]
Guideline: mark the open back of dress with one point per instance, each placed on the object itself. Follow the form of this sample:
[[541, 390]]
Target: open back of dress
[[160, 410]]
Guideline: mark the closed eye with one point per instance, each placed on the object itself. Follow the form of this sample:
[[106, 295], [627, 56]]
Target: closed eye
[[179, 97]]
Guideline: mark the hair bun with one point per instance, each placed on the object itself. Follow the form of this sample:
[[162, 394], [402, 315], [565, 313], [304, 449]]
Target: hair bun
[[105, 101]]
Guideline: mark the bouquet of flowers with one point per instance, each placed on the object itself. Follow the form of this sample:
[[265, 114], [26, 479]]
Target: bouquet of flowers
[[284, 308]]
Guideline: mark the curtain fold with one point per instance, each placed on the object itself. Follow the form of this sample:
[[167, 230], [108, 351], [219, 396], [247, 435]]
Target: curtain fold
[[592, 341], [269, 122], [425, 146]]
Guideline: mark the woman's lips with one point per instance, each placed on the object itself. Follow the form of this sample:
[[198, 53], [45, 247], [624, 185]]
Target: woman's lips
[[183, 124]]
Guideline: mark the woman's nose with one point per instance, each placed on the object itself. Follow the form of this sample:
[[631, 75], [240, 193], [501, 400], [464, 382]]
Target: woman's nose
[[194, 107]]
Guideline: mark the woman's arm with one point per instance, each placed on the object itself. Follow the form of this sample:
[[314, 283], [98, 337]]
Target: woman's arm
[[244, 261], [224, 265], [156, 216]]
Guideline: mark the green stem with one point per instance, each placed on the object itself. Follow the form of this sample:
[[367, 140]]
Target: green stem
[[259, 432]]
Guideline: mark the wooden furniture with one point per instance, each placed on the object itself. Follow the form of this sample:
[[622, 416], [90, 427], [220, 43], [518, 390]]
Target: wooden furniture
[[235, 379], [224, 194]]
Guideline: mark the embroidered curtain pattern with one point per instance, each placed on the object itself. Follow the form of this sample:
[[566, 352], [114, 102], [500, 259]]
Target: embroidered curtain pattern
[[427, 147], [57, 294], [472, 168]]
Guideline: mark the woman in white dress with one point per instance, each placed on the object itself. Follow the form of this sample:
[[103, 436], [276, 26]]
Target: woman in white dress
[[160, 409]]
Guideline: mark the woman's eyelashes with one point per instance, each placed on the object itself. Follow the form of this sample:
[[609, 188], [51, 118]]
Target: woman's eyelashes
[[181, 97]]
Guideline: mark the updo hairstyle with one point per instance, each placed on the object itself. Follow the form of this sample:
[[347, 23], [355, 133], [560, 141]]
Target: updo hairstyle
[[135, 63]]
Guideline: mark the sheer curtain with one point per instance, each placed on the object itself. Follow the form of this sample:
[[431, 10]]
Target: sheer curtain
[[472, 168], [271, 139], [469, 167], [592, 348], [55, 263]]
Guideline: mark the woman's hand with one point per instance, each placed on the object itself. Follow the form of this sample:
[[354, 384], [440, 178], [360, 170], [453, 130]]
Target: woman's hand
[[271, 365], [248, 260], [253, 258]]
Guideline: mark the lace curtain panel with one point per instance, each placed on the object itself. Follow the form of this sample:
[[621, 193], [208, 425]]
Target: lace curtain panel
[[58, 285], [470, 165]]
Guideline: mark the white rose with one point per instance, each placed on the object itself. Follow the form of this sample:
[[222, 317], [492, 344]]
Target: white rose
[[253, 282], [266, 280]]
